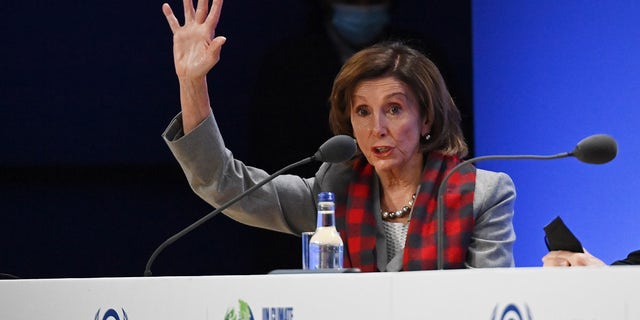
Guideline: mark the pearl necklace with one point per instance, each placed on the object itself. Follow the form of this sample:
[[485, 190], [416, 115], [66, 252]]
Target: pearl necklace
[[388, 215]]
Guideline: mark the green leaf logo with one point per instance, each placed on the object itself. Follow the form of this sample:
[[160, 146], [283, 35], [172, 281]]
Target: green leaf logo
[[242, 313]]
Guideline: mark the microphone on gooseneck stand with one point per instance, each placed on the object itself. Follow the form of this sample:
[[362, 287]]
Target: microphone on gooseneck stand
[[595, 149], [337, 149]]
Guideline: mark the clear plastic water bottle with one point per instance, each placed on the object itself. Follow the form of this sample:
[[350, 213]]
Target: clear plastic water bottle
[[325, 247]]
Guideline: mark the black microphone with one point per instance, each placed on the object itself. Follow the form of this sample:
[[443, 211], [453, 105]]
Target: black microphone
[[595, 149], [337, 149]]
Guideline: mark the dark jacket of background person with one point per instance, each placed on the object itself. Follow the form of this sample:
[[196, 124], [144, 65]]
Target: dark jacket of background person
[[632, 259]]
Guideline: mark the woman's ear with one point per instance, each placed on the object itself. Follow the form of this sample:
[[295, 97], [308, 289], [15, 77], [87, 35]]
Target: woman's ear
[[426, 127], [427, 121]]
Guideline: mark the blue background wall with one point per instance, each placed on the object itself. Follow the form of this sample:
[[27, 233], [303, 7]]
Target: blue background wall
[[545, 75]]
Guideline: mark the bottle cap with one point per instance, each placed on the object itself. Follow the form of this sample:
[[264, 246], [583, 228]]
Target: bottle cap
[[326, 196]]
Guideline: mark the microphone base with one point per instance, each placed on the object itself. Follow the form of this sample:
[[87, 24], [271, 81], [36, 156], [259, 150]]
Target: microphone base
[[308, 271]]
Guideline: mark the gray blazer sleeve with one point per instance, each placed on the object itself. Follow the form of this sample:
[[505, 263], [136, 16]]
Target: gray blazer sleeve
[[493, 234], [216, 177]]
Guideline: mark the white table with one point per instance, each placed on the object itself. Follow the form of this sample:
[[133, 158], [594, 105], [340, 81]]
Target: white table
[[534, 293]]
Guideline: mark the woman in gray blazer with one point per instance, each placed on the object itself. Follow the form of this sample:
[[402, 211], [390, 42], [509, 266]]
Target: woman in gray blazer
[[394, 102]]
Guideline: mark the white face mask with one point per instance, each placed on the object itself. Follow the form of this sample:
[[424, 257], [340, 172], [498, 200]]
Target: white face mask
[[360, 24]]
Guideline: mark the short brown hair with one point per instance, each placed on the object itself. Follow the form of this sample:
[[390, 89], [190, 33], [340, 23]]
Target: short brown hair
[[413, 68]]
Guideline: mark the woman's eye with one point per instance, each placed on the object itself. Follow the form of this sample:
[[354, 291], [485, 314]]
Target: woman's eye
[[362, 112], [394, 109]]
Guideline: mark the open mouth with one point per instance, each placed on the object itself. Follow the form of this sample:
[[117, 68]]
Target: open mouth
[[381, 150]]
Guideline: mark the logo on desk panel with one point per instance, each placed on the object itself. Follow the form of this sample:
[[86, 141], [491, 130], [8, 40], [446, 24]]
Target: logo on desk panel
[[511, 311], [111, 314], [243, 312]]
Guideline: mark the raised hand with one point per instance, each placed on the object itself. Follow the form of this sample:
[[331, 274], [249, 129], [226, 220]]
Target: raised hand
[[196, 49]]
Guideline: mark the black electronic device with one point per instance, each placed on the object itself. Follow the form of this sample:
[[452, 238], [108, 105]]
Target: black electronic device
[[559, 237]]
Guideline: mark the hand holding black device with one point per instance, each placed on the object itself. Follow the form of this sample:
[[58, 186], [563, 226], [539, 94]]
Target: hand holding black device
[[559, 237]]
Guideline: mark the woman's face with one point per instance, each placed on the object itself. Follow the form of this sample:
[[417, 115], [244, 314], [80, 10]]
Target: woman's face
[[387, 124]]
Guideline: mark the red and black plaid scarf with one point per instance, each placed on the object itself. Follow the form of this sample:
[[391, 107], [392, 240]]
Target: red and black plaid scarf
[[357, 224]]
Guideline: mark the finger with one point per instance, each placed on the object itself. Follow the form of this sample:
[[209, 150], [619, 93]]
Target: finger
[[214, 14], [584, 259], [218, 42], [216, 47], [578, 260], [553, 261], [561, 254], [555, 258], [188, 10], [202, 10], [171, 18]]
